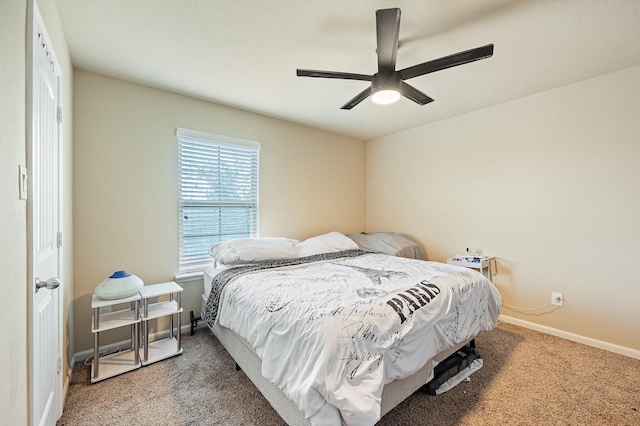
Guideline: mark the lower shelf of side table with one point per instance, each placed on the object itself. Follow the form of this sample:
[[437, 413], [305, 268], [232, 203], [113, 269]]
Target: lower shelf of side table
[[159, 350], [115, 364]]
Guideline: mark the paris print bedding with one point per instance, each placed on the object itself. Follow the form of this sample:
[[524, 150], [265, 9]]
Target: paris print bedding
[[337, 327]]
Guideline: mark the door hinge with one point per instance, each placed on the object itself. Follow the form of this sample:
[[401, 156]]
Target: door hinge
[[59, 363], [59, 114], [59, 239]]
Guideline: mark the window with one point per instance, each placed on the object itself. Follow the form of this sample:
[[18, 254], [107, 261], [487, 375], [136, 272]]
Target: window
[[218, 193]]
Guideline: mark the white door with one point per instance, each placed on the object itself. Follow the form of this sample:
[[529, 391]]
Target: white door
[[44, 241]]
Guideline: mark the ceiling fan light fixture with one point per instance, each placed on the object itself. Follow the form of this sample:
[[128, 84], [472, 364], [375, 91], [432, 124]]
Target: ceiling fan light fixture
[[385, 96]]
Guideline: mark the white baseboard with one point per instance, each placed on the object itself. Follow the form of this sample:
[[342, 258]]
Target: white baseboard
[[67, 381], [125, 344], [622, 350]]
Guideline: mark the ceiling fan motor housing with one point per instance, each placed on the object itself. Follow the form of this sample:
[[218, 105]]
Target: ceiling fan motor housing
[[386, 80]]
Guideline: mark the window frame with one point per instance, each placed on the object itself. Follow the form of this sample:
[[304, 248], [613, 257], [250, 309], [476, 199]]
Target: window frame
[[247, 152]]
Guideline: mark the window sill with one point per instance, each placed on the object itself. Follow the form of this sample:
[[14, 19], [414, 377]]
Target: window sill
[[189, 276]]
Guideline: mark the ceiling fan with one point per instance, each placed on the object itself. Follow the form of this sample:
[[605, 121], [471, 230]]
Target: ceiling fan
[[388, 84]]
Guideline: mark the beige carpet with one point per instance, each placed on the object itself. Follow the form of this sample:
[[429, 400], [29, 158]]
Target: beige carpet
[[528, 378]]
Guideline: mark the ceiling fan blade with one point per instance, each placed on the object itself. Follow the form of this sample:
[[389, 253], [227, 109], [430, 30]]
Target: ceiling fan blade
[[359, 98], [387, 31], [447, 62], [414, 94], [332, 74]]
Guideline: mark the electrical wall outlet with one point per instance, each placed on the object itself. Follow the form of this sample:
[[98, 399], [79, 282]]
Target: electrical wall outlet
[[557, 299]]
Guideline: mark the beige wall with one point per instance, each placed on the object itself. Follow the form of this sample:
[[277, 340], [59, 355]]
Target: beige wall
[[550, 184], [126, 174], [13, 212]]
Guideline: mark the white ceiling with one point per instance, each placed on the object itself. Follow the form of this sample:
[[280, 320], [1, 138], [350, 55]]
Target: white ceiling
[[244, 53]]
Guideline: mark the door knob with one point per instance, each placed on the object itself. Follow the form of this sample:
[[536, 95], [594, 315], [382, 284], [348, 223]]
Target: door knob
[[51, 284]]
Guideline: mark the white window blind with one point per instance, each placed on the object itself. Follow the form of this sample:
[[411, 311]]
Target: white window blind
[[218, 193]]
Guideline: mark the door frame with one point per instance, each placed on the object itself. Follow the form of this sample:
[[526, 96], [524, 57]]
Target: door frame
[[33, 16]]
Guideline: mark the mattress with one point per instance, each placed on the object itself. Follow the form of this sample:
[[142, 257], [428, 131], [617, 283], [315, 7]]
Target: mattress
[[208, 275]]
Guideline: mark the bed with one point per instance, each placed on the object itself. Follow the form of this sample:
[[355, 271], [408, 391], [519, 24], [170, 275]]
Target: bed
[[332, 334]]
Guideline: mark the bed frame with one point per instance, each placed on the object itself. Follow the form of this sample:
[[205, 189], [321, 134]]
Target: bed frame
[[246, 359]]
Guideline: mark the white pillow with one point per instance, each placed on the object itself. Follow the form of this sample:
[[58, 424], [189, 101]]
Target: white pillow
[[260, 249], [325, 243]]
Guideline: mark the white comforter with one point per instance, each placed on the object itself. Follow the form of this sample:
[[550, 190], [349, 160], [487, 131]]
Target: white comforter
[[338, 331]]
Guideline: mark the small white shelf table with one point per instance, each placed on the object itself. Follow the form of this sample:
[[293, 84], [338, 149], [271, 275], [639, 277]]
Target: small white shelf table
[[119, 362], [172, 345], [482, 264]]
